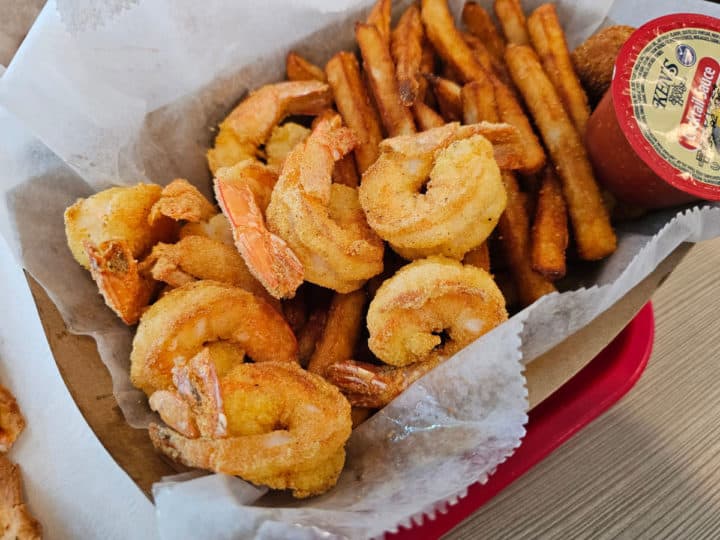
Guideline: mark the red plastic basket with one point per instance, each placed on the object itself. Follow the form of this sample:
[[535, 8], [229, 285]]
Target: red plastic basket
[[600, 384]]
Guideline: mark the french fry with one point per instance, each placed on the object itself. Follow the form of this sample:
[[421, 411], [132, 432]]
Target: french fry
[[512, 113], [594, 235], [479, 257], [380, 72], [512, 20], [514, 229], [406, 47], [448, 41], [478, 22], [449, 97], [300, 69], [485, 98], [550, 230], [483, 56], [548, 39], [344, 322], [478, 101], [426, 117], [514, 225], [309, 335], [353, 103], [379, 17]]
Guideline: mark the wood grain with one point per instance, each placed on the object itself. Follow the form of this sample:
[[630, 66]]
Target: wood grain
[[650, 467]]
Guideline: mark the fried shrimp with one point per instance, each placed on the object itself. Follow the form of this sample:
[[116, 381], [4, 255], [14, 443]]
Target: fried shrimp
[[180, 200], [11, 419], [435, 193], [272, 424], [108, 233], [196, 258], [216, 228], [368, 385], [323, 222], [283, 139], [244, 192], [430, 309], [185, 320], [249, 125], [127, 290], [117, 214]]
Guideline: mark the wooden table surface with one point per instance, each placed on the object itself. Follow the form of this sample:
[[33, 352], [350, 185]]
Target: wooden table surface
[[649, 467]]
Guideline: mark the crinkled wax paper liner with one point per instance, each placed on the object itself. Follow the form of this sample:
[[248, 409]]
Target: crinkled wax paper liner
[[110, 136]]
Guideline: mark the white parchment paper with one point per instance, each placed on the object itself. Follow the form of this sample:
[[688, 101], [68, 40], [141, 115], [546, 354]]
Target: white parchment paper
[[122, 92]]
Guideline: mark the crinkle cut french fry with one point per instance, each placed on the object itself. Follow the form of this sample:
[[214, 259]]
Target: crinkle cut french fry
[[449, 98], [479, 23], [426, 117], [380, 72], [550, 230], [548, 39], [300, 69], [406, 47], [512, 20], [353, 103], [379, 17], [479, 257], [342, 328], [594, 235], [448, 41]]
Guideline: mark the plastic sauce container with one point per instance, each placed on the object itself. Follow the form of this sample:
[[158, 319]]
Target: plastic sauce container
[[654, 138]]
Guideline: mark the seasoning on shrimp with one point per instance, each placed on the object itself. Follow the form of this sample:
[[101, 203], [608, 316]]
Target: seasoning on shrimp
[[249, 125], [183, 321], [321, 221], [430, 309], [435, 193], [272, 424]]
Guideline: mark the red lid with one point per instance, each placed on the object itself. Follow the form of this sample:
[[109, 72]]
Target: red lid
[[667, 102]]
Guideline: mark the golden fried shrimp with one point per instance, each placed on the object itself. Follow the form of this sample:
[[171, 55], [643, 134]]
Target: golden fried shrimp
[[282, 140], [180, 200], [272, 424], [435, 193], [16, 522], [323, 222], [126, 288], [430, 309], [196, 258], [368, 385], [216, 228], [11, 419], [183, 321], [117, 214], [249, 125], [243, 192]]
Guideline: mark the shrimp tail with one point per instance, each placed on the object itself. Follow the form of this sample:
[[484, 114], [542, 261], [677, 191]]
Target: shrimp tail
[[267, 256], [125, 289], [368, 385]]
